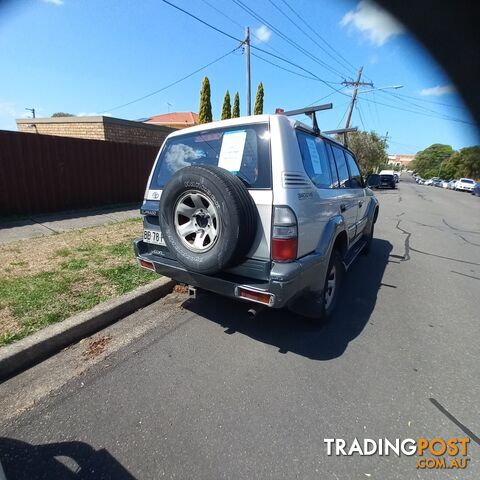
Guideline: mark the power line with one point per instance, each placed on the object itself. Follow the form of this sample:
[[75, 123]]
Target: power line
[[346, 63], [240, 25], [345, 113], [284, 37], [321, 98], [173, 83], [357, 107], [417, 105], [286, 69], [307, 35], [319, 36], [327, 83], [396, 107], [432, 101]]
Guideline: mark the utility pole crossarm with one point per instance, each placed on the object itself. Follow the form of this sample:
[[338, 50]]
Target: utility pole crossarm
[[354, 95]]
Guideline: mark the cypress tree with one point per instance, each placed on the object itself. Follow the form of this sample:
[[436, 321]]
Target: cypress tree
[[258, 109], [205, 110], [227, 107], [236, 106]]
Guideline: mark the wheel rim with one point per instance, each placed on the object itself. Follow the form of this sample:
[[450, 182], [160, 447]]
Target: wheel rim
[[330, 287], [196, 221]]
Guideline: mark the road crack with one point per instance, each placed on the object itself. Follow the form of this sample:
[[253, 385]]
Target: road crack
[[406, 255]]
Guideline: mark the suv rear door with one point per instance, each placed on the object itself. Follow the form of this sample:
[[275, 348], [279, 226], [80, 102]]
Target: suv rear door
[[356, 182], [349, 198]]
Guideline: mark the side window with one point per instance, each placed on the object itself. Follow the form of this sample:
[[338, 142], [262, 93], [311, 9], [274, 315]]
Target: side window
[[333, 168], [355, 176], [343, 176], [315, 159]]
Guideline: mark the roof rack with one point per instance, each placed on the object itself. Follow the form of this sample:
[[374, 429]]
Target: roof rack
[[341, 131], [310, 112]]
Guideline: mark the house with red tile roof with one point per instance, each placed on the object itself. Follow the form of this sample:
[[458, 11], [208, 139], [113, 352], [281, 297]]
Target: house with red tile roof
[[174, 119]]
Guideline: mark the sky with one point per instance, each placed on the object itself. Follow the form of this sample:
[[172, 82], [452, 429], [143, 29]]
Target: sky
[[90, 57]]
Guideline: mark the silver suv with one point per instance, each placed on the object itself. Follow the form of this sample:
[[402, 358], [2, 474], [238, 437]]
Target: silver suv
[[261, 208]]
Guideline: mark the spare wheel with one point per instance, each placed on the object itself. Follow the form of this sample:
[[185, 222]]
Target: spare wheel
[[208, 218]]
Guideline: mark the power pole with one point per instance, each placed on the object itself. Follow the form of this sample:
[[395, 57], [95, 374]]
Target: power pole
[[249, 85], [355, 85]]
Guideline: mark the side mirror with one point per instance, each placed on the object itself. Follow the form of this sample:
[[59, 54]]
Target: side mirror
[[373, 180]]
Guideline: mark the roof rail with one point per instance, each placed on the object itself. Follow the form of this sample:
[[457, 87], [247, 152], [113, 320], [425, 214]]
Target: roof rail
[[341, 131], [310, 112]]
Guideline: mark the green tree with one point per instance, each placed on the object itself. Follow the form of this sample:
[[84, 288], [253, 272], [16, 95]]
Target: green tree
[[62, 114], [205, 110], [428, 162], [468, 162], [236, 106], [258, 109], [227, 107], [370, 150]]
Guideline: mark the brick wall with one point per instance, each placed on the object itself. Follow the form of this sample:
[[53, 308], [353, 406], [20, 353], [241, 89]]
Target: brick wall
[[97, 128], [93, 130]]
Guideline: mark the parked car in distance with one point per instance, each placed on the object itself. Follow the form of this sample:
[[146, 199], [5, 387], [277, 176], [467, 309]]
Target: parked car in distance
[[437, 182], [428, 182], [476, 190], [219, 214], [387, 180], [451, 184], [465, 184]]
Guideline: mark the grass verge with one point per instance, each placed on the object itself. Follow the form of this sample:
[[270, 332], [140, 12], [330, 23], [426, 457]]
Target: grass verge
[[47, 279]]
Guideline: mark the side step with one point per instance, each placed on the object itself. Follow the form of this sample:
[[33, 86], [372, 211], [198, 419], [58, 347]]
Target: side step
[[354, 252]]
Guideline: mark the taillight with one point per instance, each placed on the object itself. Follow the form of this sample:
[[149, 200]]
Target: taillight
[[284, 235]]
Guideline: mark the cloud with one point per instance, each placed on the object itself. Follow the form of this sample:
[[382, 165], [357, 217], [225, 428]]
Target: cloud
[[54, 2], [263, 33], [374, 22], [438, 91]]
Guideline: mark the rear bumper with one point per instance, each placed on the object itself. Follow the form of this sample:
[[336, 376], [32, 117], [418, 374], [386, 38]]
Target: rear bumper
[[286, 281]]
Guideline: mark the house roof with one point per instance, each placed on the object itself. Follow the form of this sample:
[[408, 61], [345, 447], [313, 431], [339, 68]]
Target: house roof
[[180, 118]]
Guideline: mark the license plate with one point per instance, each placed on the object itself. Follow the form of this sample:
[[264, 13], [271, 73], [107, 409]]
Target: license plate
[[153, 236]]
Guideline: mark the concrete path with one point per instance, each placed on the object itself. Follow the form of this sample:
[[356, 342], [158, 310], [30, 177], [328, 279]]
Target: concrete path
[[41, 225]]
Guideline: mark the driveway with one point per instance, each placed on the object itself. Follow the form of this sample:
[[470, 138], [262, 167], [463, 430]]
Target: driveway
[[204, 392]]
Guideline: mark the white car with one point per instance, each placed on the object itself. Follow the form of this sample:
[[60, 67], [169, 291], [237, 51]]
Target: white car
[[465, 184], [428, 182]]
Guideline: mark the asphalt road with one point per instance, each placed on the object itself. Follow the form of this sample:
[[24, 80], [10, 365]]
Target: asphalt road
[[203, 392]]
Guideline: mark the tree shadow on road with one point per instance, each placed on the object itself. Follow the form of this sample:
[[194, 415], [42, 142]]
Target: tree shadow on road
[[292, 333], [62, 460]]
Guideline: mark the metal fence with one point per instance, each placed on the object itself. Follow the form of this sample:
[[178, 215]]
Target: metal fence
[[44, 173]]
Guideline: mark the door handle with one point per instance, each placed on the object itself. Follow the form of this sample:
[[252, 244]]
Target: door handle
[[343, 207], [360, 203]]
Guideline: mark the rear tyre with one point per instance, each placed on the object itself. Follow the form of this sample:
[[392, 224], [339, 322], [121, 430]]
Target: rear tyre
[[333, 281], [208, 218]]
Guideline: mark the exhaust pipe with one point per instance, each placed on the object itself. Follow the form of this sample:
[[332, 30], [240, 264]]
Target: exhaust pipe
[[254, 311]]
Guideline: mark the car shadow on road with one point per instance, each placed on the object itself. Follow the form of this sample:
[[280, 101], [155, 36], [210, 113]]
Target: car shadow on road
[[62, 460], [291, 333]]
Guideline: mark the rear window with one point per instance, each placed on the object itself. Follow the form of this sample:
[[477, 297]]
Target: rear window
[[466, 180], [243, 150]]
